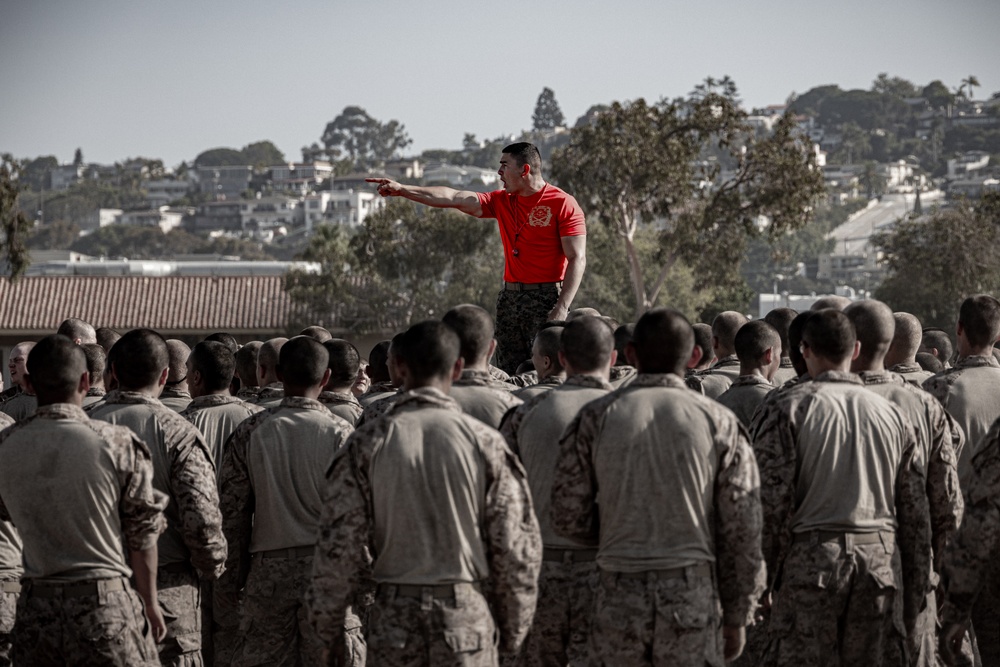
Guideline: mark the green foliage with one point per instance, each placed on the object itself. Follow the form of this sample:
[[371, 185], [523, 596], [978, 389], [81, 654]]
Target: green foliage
[[151, 243], [35, 173], [936, 261], [78, 158], [937, 95], [895, 86], [262, 154], [638, 163], [548, 115], [405, 265], [58, 235], [220, 157], [14, 224], [364, 140], [590, 114]]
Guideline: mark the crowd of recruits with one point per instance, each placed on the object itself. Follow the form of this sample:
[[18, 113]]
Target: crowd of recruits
[[425, 527]]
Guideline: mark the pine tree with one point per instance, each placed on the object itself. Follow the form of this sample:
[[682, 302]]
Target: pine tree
[[548, 115]]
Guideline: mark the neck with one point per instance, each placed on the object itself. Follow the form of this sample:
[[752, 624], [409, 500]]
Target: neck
[[819, 365], [303, 392], [861, 365], [442, 384], [754, 370], [599, 374]]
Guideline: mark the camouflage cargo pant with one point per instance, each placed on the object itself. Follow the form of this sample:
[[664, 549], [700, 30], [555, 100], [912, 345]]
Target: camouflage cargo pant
[[8, 614], [560, 632], [409, 631], [519, 315], [179, 595], [657, 620], [101, 629], [839, 603]]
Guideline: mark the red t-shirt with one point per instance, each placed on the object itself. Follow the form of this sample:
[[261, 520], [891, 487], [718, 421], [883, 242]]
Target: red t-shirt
[[531, 229]]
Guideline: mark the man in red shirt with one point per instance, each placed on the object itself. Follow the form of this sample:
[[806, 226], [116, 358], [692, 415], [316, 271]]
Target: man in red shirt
[[544, 239]]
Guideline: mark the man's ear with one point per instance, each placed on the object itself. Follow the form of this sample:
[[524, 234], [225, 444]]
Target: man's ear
[[857, 350], [493, 347], [326, 378], [456, 370], [768, 356], [614, 358], [630, 354], [695, 357], [84, 385], [162, 382]]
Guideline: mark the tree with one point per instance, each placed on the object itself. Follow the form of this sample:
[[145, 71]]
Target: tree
[[937, 95], [970, 82], [14, 224], [935, 262], [894, 85], [873, 180], [78, 158], [640, 163], [855, 143], [262, 154], [365, 141], [220, 157], [548, 115], [57, 235], [590, 114], [35, 173]]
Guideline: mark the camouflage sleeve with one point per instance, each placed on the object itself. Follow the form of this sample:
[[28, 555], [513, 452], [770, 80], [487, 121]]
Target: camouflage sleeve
[[509, 426], [774, 448], [342, 563], [739, 562], [943, 491], [937, 387], [192, 483], [513, 541], [969, 556], [574, 485], [236, 503], [913, 529], [141, 506]]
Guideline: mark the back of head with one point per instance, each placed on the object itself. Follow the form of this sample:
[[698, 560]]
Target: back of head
[[139, 358], [178, 353], [267, 355], [302, 363], [874, 327], [795, 341], [318, 334], [378, 361], [343, 363], [106, 338], [703, 339], [215, 363], [227, 339], [829, 334], [753, 340], [77, 331], [547, 344], [246, 363], [781, 319], [937, 339], [833, 301], [429, 350], [97, 358], [587, 343], [577, 313], [980, 320], [929, 362], [623, 336], [663, 341], [55, 367], [905, 339], [724, 328], [474, 327], [525, 153]]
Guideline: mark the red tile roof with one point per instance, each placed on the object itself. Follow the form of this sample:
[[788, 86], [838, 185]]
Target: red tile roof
[[38, 304]]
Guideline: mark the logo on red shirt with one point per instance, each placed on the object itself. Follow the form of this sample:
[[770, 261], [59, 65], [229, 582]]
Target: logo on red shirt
[[540, 216]]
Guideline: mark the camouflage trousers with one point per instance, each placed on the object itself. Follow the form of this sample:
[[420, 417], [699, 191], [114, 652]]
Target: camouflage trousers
[[757, 641], [407, 631], [560, 632], [179, 595], [105, 628], [8, 615], [519, 315], [839, 604], [654, 619]]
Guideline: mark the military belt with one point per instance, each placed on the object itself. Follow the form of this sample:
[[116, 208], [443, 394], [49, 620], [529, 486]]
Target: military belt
[[10, 587], [78, 590], [438, 592], [291, 552], [569, 555], [700, 570], [528, 287], [820, 536]]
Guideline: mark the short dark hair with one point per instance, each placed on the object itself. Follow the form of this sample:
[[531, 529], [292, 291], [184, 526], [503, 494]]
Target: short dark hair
[[178, 353], [524, 153], [834, 301], [302, 362], [268, 355], [215, 363], [781, 319], [344, 362], [474, 327], [980, 319], [547, 341], [246, 363], [934, 338], [139, 358], [74, 328], [623, 336], [55, 366], [663, 341], [227, 339], [795, 340], [428, 349], [317, 333], [725, 325], [929, 362], [587, 343], [829, 334], [378, 361], [97, 359], [703, 339], [107, 337], [754, 339], [874, 326]]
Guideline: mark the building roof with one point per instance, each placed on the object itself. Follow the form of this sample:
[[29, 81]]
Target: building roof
[[170, 304]]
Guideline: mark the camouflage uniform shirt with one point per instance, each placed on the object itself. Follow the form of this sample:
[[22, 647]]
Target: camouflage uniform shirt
[[216, 416], [745, 395], [343, 405], [482, 397]]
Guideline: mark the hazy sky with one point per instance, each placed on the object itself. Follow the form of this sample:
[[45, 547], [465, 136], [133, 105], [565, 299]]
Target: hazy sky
[[171, 79]]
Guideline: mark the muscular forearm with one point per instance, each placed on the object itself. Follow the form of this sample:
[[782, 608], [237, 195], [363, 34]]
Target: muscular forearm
[[144, 564], [575, 268], [437, 196]]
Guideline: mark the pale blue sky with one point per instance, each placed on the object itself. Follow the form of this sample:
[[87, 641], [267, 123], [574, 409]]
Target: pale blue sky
[[123, 78]]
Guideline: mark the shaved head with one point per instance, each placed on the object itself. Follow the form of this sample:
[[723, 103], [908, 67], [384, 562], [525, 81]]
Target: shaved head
[[663, 341], [781, 319], [832, 301], [905, 340], [874, 326], [724, 328], [78, 331], [267, 361], [587, 343], [178, 352]]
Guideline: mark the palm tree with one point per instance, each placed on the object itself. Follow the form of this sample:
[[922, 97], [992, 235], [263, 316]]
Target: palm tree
[[970, 83]]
